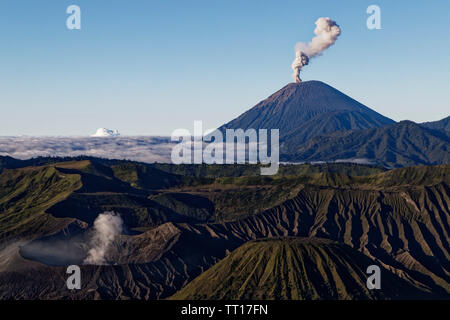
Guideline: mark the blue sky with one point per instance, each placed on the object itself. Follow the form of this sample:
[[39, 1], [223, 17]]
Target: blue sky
[[149, 67]]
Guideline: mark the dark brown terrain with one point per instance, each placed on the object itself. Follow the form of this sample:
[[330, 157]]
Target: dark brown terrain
[[397, 219]]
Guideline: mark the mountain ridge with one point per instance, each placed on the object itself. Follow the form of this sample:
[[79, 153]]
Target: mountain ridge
[[401, 144], [443, 124]]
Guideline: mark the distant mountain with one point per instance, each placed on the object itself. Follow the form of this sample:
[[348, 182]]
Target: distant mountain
[[443, 124], [401, 144], [293, 269], [304, 110]]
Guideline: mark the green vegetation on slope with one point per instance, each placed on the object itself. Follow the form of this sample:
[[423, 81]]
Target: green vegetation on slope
[[25, 195], [246, 170], [293, 268]]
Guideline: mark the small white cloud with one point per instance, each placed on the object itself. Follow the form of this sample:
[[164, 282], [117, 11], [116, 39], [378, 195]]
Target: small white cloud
[[103, 132]]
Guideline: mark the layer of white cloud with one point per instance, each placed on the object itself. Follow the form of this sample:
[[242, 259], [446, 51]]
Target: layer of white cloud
[[143, 149]]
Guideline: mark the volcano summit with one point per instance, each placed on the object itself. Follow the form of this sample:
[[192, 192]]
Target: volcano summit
[[307, 109]]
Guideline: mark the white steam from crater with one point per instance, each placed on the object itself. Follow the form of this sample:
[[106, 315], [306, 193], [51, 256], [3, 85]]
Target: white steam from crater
[[327, 31], [107, 227]]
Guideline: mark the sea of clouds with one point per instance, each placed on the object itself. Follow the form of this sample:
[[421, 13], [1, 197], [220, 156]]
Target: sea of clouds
[[143, 149]]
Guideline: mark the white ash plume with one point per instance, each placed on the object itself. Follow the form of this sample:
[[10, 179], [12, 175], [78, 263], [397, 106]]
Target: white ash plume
[[327, 31]]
